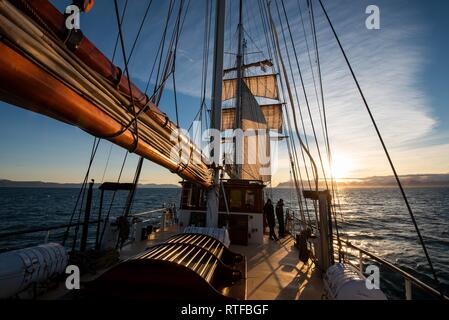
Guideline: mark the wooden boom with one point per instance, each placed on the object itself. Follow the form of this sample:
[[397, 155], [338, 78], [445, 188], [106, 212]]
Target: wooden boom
[[78, 85]]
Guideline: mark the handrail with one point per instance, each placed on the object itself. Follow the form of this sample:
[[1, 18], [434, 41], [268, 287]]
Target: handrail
[[409, 279], [299, 220], [43, 229], [398, 270], [145, 213], [63, 226]]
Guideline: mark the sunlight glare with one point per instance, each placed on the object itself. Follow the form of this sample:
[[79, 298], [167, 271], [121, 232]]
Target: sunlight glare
[[341, 166]]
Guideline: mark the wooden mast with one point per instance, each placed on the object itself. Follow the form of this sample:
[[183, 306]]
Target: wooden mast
[[213, 193], [240, 75]]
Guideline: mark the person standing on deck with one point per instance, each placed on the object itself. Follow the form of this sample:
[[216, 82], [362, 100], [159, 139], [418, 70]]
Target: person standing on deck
[[268, 210], [280, 216]]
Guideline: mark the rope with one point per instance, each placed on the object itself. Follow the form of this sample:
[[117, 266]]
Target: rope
[[302, 83], [334, 187], [140, 30], [265, 14], [83, 186], [295, 122], [176, 34], [107, 163], [117, 39], [122, 44], [303, 146], [106, 220]]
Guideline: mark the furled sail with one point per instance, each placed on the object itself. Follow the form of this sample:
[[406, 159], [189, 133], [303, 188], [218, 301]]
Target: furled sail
[[271, 112], [82, 88], [260, 86]]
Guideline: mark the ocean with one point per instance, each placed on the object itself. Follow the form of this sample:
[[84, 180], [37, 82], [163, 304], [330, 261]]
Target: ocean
[[375, 219]]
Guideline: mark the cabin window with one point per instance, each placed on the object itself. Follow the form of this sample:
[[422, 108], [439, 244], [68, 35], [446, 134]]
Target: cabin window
[[193, 197], [186, 196], [236, 199], [242, 198], [250, 200]]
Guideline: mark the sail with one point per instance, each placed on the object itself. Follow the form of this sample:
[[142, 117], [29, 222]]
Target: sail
[[255, 143], [260, 86], [271, 112]]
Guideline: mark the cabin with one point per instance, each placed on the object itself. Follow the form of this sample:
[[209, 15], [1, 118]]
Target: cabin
[[240, 209]]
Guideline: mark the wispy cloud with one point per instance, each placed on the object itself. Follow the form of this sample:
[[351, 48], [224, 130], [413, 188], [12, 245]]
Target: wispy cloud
[[388, 62]]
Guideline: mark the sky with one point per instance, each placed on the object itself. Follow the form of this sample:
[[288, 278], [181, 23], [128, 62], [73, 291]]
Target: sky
[[402, 69]]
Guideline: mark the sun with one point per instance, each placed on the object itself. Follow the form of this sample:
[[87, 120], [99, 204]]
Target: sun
[[341, 166]]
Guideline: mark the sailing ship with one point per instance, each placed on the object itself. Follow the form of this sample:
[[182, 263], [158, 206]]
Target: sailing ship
[[214, 246]]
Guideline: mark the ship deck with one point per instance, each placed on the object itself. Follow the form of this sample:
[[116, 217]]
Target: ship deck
[[274, 271]]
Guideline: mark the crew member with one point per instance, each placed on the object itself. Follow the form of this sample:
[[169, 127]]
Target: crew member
[[280, 216], [268, 210]]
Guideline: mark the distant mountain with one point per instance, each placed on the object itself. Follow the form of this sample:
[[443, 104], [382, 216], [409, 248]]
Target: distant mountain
[[415, 180], [41, 184], [161, 186]]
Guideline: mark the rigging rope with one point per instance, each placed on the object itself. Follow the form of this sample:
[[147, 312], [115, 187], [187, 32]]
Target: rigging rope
[[303, 146], [300, 114], [107, 162], [117, 39], [265, 14], [204, 71], [122, 44], [310, 60], [334, 185], [302, 82], [83, 186], [140, 30], [106, 220]]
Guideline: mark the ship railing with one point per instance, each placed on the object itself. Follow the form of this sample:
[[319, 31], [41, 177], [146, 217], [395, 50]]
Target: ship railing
[[160, 218], [164, 217], [43, 229], [360, 255], [149, 215], [293, 223], [167, 215]]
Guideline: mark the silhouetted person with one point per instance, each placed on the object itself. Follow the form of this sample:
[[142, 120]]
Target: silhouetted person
[[268, 210], [280, 216]]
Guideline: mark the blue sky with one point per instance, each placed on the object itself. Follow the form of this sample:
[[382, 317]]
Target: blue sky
[[403, 68]]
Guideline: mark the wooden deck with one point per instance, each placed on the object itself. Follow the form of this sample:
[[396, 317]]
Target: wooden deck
[[274, 272], [138, 247]]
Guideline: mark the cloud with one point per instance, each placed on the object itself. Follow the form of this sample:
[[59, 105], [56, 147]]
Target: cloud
[[388, 63]]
